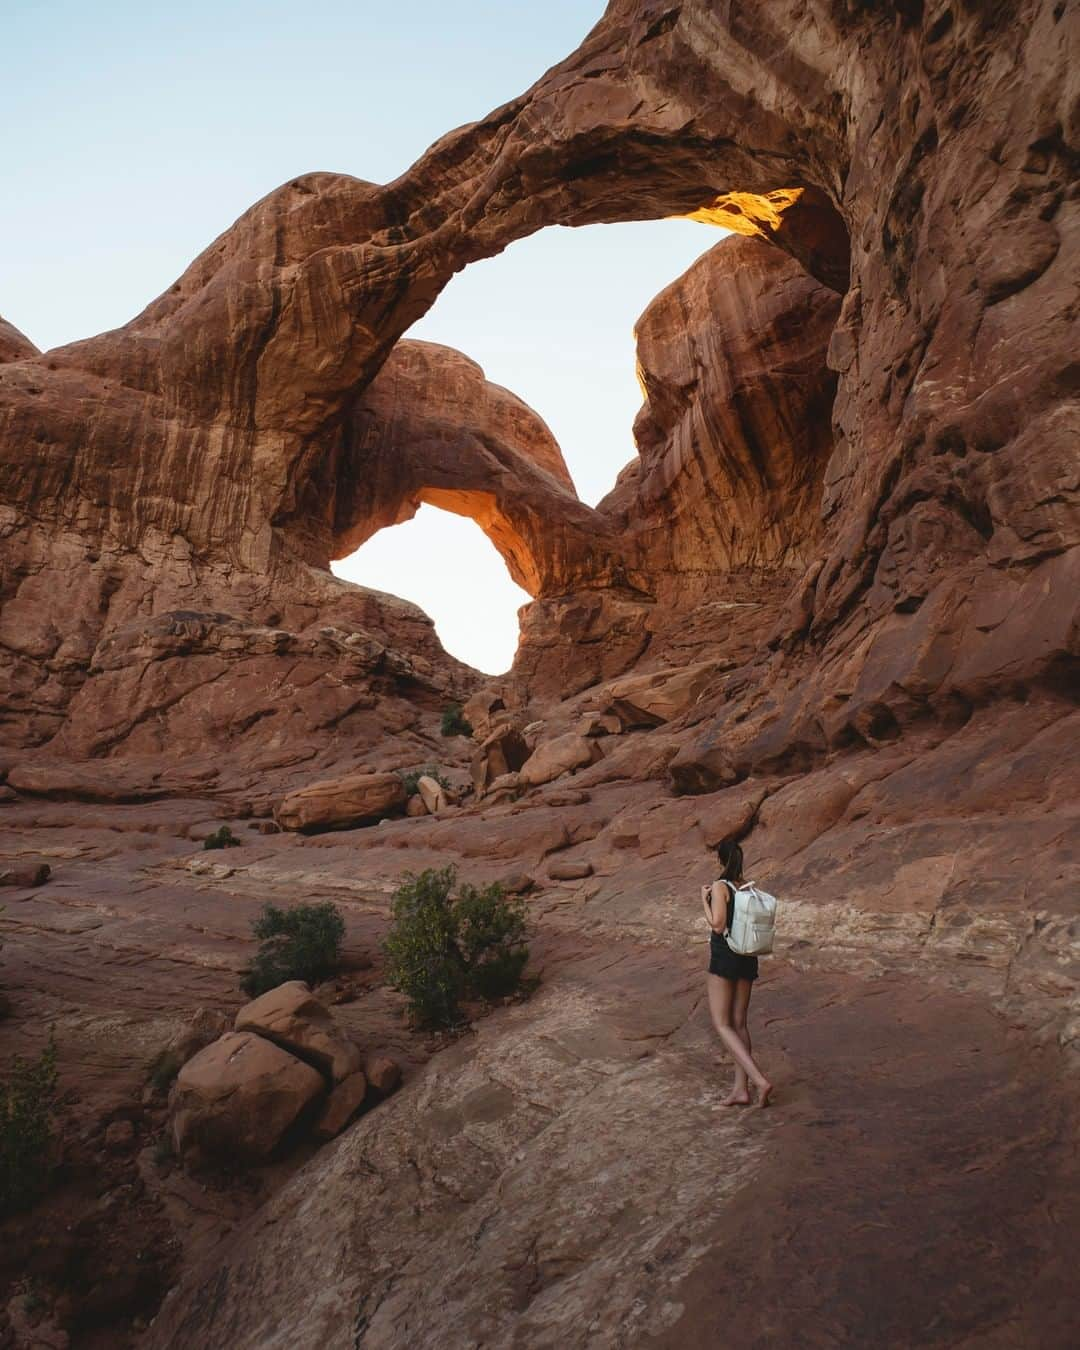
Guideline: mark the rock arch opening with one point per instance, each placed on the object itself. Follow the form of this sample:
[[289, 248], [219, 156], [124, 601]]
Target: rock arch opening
[[439, 560]]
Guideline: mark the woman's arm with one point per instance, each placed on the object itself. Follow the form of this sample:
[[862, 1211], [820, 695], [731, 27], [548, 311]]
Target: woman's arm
[[717, 925]]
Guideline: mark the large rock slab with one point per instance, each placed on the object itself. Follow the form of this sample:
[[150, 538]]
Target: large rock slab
[[292, 1017], [660, 696], [562, 754], [339, 803], [238, 1099], [432, 793]]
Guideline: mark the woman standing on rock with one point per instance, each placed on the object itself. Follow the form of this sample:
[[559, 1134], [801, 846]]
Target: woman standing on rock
[[731, 980]]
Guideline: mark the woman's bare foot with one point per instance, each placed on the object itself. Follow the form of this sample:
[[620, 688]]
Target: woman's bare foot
[[736, 1099], [764, 1092]]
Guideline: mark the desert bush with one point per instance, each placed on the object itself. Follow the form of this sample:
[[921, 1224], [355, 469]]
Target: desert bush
[[162, 1070], [301, 943], [446, 944], [454, 721], [27, 1112], [411, 779], [223, 838]]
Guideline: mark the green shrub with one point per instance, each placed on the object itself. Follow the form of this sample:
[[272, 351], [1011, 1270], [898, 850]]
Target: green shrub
[[163, 1069], [444, 946], [223, 838], [301, 943], [27, 1110], [454, 721], [411, 779]]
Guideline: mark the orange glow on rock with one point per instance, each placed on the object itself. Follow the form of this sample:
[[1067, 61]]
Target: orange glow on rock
[[748, 212]]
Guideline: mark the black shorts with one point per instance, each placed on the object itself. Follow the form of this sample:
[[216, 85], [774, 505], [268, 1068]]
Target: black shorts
[[727, 964]]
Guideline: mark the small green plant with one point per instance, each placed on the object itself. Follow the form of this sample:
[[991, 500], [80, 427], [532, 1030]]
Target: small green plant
[[411, 779], [27, 1112], [454, 721], [445, 944], [301, 943], [223, 838], [163, 1069]]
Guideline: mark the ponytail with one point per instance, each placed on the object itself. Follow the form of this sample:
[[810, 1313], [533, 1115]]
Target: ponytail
[[730, 857]]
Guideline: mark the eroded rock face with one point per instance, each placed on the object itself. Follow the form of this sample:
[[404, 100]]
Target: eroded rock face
[[735, 432]]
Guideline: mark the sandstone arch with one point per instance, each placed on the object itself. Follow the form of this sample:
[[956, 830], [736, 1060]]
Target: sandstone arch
[[195, 432], [430, 428]]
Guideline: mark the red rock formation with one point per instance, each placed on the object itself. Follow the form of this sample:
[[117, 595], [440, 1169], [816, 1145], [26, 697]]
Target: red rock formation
[[735, 431], [14, 346], [889, 686], [431, 429], [175, 458]]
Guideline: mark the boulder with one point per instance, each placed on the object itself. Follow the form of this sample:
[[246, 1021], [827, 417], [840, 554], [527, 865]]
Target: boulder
[[481, 712], [415, 807], [36, 874], [292, 1017], [650, 700], [433, 794], [517, 883], [341, 1107], [551, 759], [505, 788], [566, 797], [338, 803], [383, 1073], [265, 827], [570, 871], [8, 794], [238, 1099], [503, 751]]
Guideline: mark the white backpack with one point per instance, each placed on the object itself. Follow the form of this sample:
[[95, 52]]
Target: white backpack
[[753, 919]]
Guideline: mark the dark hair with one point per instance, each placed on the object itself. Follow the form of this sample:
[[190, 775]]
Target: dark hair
[[730, 855]]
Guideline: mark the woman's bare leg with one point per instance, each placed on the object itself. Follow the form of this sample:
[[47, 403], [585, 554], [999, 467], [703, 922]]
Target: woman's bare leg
[[740, 1009], [740, 1092], [721, 1006]]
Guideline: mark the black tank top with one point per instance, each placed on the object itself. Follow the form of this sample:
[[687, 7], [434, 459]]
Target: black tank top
[[730, 919]]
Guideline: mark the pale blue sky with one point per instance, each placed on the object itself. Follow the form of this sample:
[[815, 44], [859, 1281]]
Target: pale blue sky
[[135, 133]]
